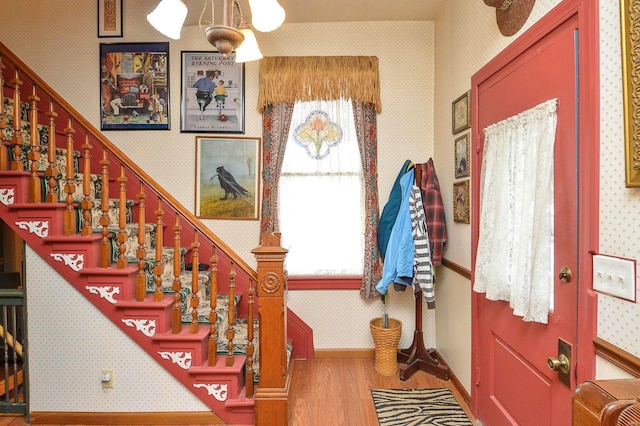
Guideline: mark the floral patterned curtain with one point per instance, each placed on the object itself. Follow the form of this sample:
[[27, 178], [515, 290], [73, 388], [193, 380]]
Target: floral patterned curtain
[[365, 119], [276, 120]]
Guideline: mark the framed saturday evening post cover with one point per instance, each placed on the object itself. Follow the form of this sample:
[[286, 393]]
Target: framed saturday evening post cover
[[212, 89]]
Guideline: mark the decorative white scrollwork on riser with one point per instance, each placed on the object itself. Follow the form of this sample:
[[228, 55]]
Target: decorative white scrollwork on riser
[[105, 292], [218, 391], [146, 326], [182, 359], [40, 228], [72, 260]]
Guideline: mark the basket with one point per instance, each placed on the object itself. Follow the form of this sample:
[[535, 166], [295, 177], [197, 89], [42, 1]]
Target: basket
[[386, 345]]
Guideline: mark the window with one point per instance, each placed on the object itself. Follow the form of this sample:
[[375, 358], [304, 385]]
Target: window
[[321, 207]]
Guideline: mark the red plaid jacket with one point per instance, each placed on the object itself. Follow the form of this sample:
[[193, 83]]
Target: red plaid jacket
[[433, 209]]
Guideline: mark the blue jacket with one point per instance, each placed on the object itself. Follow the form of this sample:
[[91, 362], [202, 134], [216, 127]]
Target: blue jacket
[[390, 211], [398, 263]]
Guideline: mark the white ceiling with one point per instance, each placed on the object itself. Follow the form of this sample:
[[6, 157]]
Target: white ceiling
[[298, 11]]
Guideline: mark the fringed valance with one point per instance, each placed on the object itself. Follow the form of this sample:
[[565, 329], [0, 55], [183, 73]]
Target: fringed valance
[[305, 78]]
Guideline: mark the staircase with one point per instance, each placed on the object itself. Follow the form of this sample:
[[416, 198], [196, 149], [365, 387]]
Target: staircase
[[130, 255]]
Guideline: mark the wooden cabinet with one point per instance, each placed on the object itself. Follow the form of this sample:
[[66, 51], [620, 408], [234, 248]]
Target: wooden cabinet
[[601, 402]]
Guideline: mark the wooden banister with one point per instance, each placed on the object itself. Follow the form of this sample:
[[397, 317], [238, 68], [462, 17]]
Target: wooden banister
[[232, 315], [213, 315], [105, 255], [35, 195], [17, 139], [122, 219], [141, 253], [52, 171], [158, 295], [272, 395], [176, 312], [87, 201], [70, 223], [195, 275]]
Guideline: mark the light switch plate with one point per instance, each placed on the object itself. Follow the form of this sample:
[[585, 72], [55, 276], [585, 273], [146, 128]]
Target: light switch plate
[[615, 276]]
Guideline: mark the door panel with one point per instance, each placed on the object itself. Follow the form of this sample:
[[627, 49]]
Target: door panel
[[513, 383]]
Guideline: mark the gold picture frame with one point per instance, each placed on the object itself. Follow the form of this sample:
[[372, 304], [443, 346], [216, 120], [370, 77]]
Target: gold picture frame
[[630, 31], [461, 155], [228, 171], [461, 113], [461, 202]]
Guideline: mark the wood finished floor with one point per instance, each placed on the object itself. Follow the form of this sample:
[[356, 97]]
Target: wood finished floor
[[335, 392]]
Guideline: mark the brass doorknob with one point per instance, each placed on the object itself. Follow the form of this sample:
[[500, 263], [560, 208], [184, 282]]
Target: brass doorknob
[[561, 363], [565, 274]]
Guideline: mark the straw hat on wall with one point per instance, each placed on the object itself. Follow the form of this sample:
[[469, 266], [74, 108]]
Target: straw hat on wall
[[511, 14]]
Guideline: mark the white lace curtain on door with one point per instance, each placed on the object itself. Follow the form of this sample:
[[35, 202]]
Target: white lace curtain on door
[[515, 246]]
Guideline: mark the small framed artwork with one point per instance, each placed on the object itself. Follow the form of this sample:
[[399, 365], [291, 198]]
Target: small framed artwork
[[228, 177], [109, 18], [212, 93], [134, 86], [629, 26], [462, 156], [461, 113], [461, 202]]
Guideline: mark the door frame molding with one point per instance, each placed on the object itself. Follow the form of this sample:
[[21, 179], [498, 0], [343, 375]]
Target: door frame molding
[[587, 14]]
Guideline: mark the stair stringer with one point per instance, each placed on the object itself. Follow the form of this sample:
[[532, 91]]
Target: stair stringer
[[111, 291]]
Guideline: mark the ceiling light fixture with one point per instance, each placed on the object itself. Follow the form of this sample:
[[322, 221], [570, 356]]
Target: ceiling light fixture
[[232, 34], [168, 17]]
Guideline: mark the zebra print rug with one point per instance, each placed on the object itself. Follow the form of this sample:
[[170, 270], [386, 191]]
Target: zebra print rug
[[418, 407]]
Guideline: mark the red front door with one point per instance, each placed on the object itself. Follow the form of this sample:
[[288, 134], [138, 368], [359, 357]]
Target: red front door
[[512, 382]]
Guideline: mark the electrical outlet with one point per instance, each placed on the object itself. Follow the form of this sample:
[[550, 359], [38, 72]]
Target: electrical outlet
[[106, 377]]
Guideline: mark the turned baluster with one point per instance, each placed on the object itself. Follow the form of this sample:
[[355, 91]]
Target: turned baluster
[[213, 315], [232, 314], [158, 295], [4, 154], [122, 220], [105, 255], [17, 138], [141, 253], [176, 311], [35, 187], [87, 201], [70, 222], [250, 348], [195, 274], [52, 170]]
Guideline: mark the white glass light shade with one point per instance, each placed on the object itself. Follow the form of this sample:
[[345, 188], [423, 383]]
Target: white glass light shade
[[168, 17], [248, 50], [266, 15]]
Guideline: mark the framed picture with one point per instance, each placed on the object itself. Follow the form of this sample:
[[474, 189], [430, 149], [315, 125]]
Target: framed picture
[[228, 177], [630, 30], [461, 113], [461, 202], [134, 86], [109, 18], [212, 93], [462, 156]]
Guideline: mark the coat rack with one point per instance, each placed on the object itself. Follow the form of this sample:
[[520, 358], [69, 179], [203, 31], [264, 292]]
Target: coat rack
[[417, 357]]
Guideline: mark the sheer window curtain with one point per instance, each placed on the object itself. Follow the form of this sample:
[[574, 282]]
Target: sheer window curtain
[[321, 197], [514, 260]]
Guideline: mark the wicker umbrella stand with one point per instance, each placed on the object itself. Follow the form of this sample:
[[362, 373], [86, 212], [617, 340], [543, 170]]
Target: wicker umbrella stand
[[386, 345]]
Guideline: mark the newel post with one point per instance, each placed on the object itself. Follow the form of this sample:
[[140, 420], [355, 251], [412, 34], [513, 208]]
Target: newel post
[[272, 394]]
